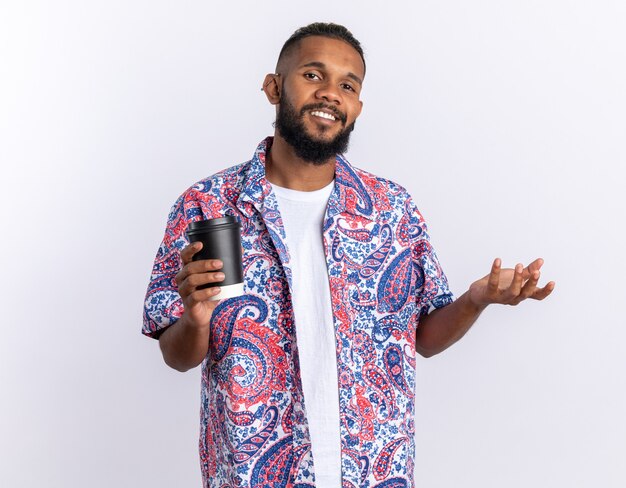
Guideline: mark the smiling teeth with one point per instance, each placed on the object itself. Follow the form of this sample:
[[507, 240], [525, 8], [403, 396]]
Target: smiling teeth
[[324, 115]]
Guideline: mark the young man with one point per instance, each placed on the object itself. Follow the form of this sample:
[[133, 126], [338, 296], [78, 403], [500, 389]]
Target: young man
[[308, 378]]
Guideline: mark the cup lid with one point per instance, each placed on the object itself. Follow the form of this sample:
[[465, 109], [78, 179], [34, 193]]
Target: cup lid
[[209, 223]]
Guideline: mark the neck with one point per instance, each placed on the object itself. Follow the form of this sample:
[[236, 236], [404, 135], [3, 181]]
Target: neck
[[284, 168]]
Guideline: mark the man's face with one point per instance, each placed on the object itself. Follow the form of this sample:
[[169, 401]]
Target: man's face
[[319, 101]]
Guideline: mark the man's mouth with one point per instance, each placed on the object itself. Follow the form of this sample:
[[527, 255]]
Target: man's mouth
[[324, 115]]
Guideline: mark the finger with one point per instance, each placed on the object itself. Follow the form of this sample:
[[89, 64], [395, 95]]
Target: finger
[[542, 293], [532, 267], [202, 266], [204, 295], [530, 286], [513, 291], [198, 279], [494, 277], [187, 253]]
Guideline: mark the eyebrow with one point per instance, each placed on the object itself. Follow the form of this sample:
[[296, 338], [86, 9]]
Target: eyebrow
[[317, 64]]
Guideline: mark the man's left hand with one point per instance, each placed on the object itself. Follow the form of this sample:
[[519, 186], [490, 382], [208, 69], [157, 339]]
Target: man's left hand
[[509, 286]]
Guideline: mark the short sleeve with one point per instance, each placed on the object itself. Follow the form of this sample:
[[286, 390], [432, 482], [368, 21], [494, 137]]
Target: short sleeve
[[163, 305], [432, 290]]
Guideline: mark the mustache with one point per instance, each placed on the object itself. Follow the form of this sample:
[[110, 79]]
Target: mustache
[[319, 106]]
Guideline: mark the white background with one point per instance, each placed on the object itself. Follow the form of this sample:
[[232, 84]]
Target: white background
[[505, 120]]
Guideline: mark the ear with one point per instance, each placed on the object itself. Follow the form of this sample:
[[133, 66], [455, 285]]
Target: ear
[[360, 109], [271, 88]]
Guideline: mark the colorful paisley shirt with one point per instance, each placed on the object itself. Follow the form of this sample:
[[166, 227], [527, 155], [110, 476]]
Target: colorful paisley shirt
[[384, 275]]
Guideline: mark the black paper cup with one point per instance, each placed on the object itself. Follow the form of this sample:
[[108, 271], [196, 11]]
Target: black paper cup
[[221, 239]]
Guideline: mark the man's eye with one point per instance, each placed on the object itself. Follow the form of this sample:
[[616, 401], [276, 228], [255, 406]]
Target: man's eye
[[345, 86], [311, 76]]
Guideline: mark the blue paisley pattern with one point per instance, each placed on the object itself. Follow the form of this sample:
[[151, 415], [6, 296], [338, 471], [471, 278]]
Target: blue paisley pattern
[[384, 276]]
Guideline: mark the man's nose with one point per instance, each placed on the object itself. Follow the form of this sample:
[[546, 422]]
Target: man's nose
[[330, 93]]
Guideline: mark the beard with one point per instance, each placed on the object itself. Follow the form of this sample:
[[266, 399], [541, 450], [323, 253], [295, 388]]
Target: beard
[[290, 126]]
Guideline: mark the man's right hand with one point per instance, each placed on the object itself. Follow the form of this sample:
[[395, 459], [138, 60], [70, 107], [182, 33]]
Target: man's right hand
[[198, 306], [186, 343]]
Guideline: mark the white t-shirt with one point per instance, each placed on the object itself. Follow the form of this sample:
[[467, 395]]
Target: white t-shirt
[[303, 216]]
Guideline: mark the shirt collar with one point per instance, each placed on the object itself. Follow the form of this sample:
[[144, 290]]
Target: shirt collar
[[350, 194]]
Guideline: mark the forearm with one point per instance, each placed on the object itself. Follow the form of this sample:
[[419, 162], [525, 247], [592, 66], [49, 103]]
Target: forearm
[[443, 327], [183, 346]]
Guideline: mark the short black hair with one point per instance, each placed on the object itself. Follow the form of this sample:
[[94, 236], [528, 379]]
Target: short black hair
[[323, 29]]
